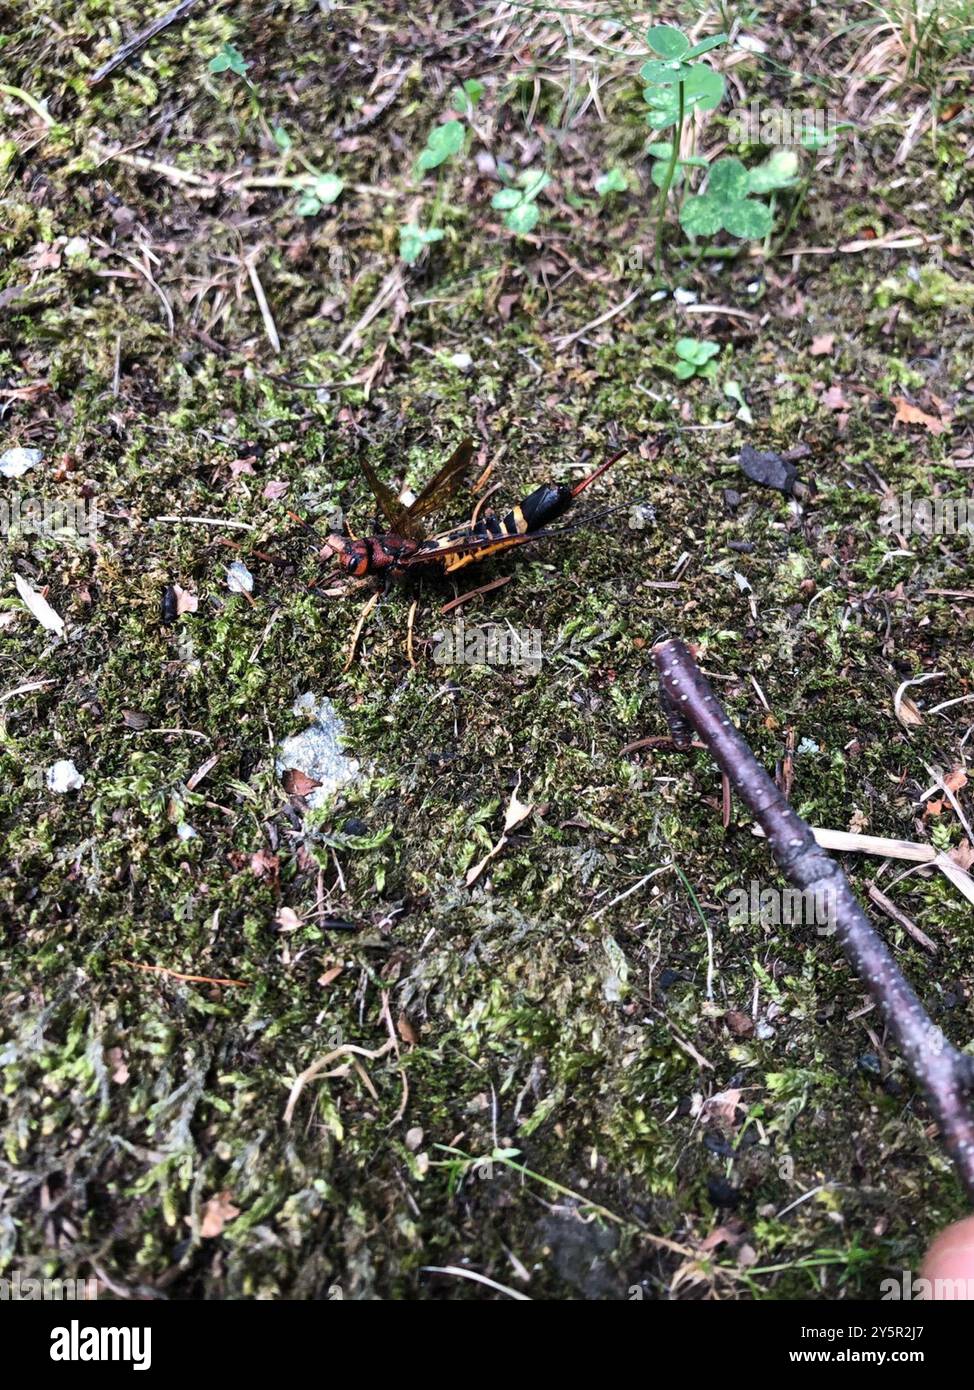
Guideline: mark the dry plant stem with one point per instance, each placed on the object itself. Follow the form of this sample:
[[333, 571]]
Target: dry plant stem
[[139, 41], [945, 1074]]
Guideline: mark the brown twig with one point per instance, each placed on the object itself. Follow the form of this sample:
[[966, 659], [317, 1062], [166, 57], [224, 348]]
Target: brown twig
[[178, 975], [945, 1074], [128, 50], [475, 593]]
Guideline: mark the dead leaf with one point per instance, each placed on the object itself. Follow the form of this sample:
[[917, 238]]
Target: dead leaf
[[517, 811], [740, 1024], [907, 712], [933, 809], [193, 781], [907, 414], [185, 601], [298, 783], [406, 1030], [263, 864], [963, 854], [25, 393], [834, 399], [287, 919], [720, 1235], [276, 488], [955, 780], [822, 345], [330, 975], [723, 1108], [39, 606], [45, 258], [215, 1214], [120, 1072]]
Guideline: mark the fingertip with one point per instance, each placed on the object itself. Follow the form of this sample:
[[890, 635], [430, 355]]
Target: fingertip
[[951, 1258]]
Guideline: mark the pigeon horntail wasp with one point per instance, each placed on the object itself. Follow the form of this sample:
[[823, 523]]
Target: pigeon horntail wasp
[[407, 549]]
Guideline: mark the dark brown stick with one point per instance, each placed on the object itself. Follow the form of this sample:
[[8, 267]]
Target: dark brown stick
[[945, 1074], [129, 49]]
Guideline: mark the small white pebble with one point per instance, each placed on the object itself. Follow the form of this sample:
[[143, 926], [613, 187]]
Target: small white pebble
[[63, 776], [14, 463], [239, 578]]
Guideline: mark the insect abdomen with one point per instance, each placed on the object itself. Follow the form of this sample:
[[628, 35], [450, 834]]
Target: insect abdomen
[[539, 508]]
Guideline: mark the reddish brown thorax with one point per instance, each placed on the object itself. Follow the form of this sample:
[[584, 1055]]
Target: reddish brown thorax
[[371, 556]]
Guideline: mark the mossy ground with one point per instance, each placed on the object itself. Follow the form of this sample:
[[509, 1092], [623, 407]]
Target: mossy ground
[[584, 1045]]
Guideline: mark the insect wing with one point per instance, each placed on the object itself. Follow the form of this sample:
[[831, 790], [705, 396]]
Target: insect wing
[[392, 509], [445, 481], [480, 548]]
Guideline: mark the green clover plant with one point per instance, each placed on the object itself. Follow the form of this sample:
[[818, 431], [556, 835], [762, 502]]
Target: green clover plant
[[675, 87], [320, 191], [614, 181], [728, 204], [413, 240], [465, 97], [444, 142], [517, 201], [695, 358], [229, 59]]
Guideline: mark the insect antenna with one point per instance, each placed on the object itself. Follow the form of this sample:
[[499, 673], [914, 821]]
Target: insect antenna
[[587, 482], [303, 522], [582, 523], [314, 536]]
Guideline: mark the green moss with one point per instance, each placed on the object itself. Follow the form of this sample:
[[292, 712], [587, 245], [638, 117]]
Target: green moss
[[539, 1027]]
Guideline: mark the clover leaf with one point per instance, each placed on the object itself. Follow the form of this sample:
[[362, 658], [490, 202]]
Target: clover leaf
[[725, 205], [694, 358], [614, 181], [660, 171], [705, 45], [414, 239], [728, 180], [664, 74], [703, 90], [777, 171], [520, 211], [748, 220], [701, 216], [466, 96], [668, 41], [319, 192], [523, 218], [442, 143], [672, 43], [229, 59]]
